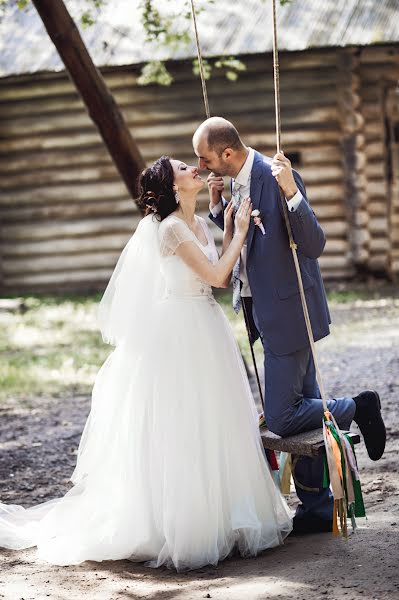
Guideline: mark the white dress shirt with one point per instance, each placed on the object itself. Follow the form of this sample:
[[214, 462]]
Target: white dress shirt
[[243, 180]]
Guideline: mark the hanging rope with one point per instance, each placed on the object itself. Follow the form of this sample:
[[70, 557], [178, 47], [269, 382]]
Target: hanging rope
[[293, 246], [200, 62], [208, 114]]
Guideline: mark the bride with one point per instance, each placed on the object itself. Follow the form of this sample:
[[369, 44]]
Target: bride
[[170, 468]]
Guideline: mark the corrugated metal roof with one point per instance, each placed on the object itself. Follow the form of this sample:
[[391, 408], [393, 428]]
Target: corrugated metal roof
[[225, 27]]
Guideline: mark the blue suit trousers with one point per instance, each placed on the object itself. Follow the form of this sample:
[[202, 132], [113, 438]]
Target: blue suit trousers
[[293, 404]]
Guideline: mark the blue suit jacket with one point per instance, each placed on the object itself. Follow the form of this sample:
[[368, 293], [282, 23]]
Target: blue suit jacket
[[277, 308]]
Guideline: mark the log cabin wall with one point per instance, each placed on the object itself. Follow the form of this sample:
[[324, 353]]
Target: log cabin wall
[[378, 71], [65, 214]]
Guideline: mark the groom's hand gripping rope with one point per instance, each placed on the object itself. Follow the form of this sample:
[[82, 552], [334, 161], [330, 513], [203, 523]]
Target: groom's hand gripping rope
[[282, 172]]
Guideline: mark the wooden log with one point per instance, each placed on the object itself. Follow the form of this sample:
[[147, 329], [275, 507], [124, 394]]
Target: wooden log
[[378, 262], [59, 264], [68, 211], [338, 274], [141, 102], [377, 189], [336, 246], [83, 278], [378, 208], [74, 140], [65, 193], [296, 139], [326, 192], [379, 54], [316, 174], [315, 59], [296, 90], [102, 173], [172, 113], [379, 245], [375, 150], [374, 131], [324, 154], [334, 261], [353, 151], [376, 170], [57, 159], [374, 74], [307, 443], [378, 225], [371, 93], [325, 211], [68, 229], [75, 245], [160, 134], [46, 177]]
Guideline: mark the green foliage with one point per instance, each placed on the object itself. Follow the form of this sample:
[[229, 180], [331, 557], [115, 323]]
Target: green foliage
[[89, 8], [155, 72], [232, 65], [206, 66], [89, 15]]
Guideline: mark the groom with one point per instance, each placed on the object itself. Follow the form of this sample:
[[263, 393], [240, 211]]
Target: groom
[[265, 283]]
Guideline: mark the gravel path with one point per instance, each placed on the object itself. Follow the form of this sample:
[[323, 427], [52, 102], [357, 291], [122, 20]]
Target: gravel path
[[38, 451]]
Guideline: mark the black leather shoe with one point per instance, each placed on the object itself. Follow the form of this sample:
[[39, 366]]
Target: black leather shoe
[[369, 419], [305, 525]]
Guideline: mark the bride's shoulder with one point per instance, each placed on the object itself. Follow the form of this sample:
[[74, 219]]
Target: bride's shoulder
[[171, 223], [173, 231]]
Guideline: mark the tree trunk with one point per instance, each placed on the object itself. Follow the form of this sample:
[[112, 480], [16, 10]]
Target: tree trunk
[[89, 82]]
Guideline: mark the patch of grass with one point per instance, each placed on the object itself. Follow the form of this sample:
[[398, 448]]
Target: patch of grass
[[54, 347]]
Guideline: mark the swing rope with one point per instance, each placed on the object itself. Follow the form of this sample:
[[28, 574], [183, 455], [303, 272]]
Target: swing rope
[[293, 246], [200, 62], [208, 114], [341, 466]]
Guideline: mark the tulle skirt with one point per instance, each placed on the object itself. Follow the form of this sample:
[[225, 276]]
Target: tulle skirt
[[170, 468]]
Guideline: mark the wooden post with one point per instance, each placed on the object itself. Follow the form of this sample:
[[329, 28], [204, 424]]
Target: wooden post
[[392, 116], [89, 82], [354, 158]]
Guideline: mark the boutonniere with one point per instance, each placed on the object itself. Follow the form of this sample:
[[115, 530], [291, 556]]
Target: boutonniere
[[256, 214]]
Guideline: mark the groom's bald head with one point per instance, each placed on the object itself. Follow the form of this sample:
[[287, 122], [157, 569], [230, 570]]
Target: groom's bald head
[[219, 134], [216, 142]]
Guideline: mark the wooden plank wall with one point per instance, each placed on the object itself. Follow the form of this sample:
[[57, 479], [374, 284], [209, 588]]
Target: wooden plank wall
[[379, 72], [64, 212], [379, 75]]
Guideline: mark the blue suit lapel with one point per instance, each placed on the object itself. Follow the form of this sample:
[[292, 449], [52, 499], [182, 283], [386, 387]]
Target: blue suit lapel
[[256, 192]]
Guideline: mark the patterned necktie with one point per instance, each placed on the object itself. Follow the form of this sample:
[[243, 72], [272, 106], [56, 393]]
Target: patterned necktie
[[236, 198]]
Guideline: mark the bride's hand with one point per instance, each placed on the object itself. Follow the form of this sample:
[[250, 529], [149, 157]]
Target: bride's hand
[[243, 217], [229, 219]]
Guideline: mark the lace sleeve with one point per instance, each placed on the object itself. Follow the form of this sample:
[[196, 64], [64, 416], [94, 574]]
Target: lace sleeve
[[173, 232]]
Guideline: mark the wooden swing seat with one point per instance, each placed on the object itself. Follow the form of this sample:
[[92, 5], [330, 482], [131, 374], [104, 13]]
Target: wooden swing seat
[[308, 443]]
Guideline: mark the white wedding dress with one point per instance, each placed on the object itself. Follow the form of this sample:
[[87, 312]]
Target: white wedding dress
[[170, 468]]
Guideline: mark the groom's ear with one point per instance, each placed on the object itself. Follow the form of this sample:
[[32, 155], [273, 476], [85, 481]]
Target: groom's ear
[[227, 153]]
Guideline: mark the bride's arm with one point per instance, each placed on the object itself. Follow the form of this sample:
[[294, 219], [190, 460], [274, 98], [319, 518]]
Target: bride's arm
[[218, 275]]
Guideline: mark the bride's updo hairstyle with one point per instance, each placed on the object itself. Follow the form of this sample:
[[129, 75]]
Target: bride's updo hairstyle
[[155, 188]]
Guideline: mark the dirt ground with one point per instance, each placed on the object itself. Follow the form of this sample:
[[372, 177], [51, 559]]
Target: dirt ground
[[37, 455]]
